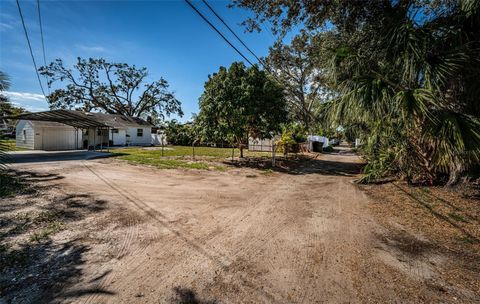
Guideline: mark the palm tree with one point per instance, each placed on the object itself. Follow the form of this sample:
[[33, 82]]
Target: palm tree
[[4, 86], [410, 84]]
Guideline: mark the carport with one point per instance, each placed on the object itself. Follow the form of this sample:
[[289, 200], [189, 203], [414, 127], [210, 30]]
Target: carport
[[77, 120]]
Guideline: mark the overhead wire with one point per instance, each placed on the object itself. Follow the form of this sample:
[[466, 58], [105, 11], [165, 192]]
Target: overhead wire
[[30, 46], [43, 43], [218, 31], [262, 62], [234, 34]]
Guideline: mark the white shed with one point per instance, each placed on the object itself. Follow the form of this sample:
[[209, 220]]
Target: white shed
[[46, 135]]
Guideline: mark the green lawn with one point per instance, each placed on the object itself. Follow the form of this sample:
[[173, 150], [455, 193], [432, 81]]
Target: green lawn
[[10, 145], [181, 156]]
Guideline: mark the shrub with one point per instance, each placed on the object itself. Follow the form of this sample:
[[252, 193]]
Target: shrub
[[328, 149]]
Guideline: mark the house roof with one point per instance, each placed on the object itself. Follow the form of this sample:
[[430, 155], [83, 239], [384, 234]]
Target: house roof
[[40, 123], [118, 121], [80, 119]]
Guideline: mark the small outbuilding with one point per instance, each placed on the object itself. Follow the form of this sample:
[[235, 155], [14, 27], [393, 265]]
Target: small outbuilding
[[68, 130]]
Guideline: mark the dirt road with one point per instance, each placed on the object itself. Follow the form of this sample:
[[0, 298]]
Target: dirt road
[[239, 236]]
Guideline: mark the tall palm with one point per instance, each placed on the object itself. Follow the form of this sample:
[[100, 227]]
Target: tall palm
[[407, 83]]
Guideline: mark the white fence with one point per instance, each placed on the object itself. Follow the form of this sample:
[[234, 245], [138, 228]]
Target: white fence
[[158, 138], [264, 145]]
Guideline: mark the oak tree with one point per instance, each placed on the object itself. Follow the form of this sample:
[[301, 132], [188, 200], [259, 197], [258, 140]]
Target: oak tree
[[114, 88]]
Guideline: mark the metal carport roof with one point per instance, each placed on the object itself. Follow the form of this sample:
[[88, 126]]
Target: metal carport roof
[[72, 118]]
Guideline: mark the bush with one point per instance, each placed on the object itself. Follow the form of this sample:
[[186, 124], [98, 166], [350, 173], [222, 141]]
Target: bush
[[328, 149], [179, 134]]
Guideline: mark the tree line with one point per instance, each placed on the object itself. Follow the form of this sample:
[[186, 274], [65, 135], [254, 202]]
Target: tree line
[[403, 76]]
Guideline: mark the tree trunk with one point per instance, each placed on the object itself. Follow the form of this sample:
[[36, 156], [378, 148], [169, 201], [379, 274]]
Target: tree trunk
[[456, 170], [241, 150]]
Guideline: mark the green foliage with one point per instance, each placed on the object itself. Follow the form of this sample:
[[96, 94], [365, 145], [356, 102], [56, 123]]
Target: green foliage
[[286, 138], [238, 103], [184, 153], [169, 163], [115, 88], [328, 149], [304, 83], [6, 108], [299, 132], [407, 75], [327, 132], [45, 233], [413, 125], [181, 157], [292, 136], [10, 184], [9, 145], [180, 134]]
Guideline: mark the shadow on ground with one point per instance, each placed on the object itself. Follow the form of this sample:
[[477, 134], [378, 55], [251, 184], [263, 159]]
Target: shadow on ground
[[53, 156], [299, 165], [33, 267], [431, 235], [188, 296], [439, 215]]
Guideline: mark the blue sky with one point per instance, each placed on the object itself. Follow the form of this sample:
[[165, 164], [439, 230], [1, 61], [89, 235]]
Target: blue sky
[[167, 37]]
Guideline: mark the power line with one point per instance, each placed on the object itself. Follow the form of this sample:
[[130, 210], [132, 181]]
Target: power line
[[30, 47], [236, 36], [43, 43], [216, 30]]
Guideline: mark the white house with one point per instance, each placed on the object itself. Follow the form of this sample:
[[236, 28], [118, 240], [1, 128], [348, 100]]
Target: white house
[[69, 130]]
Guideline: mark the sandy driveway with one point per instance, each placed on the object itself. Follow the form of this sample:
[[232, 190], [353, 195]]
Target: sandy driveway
[[229, 237]]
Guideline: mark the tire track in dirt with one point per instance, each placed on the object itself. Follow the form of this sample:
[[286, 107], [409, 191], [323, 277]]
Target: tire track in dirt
[[226, 267], [130, 235], [229, 237], [265, 236], [152, 213], [248, 246], [247, 233]]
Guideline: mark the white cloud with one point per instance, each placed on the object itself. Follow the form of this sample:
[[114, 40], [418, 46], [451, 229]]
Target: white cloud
[[5, 26], [30, 101], [91, 48], [23, 96]]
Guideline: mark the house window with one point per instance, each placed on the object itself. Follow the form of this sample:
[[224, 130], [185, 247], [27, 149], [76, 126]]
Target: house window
[[139, 132], [24, 135], [115, 131], [99, 132]]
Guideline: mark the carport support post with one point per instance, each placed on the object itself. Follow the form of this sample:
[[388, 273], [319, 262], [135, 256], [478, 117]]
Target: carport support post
[[108, 139], [94, 138]]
